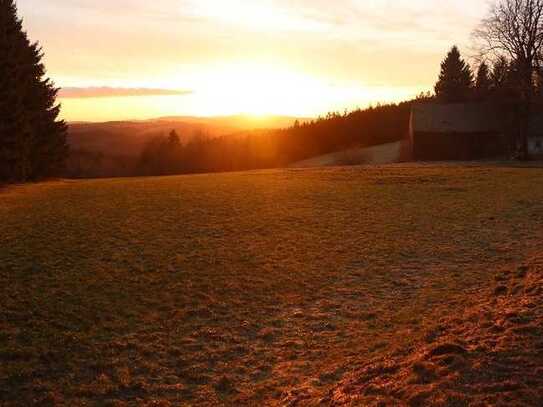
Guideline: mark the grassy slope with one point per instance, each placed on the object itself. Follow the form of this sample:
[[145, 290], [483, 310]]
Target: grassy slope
[[489, 355], [389, 153], [236, 288]]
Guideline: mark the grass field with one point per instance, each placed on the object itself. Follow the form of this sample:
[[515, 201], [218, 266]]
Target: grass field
[[237, 288]]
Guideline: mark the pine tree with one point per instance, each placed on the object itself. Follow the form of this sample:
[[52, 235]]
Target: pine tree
[[483, 83], [455, 80], [32, 139], [173, 139], [500, 74]]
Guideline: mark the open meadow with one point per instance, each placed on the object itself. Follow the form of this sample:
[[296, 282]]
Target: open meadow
[[238, 289]]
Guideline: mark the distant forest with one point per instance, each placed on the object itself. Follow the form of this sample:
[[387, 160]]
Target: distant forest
[[174, 153], [277, 148]]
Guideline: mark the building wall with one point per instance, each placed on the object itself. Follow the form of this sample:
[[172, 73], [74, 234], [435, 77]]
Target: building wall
[[457, 147], [470, 131]]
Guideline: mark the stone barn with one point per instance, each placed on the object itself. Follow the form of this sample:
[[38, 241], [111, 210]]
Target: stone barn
[[444, 132]]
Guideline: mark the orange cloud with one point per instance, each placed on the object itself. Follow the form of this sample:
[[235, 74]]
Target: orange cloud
[[106, 92]]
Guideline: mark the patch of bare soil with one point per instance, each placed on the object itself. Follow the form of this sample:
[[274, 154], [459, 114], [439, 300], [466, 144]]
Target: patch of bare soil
[[490, 355]]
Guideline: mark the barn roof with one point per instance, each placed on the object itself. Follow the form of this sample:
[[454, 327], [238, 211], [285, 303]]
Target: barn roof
[[454, 118]]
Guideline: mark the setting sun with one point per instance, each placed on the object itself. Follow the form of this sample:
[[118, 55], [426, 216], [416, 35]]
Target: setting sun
[[241, 88], [265, 57]]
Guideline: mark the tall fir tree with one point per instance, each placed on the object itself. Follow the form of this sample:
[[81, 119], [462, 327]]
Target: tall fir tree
[[500, 74], [32, 138], [455, 82], [483, 83]]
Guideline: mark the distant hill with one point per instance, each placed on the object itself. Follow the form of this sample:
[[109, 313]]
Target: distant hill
[[127, 138], [241, 122], [234, 143], [112, 149]]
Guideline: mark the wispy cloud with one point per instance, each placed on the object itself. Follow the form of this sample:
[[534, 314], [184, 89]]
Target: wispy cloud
[[191, 44], [107, 92], [262, 15]]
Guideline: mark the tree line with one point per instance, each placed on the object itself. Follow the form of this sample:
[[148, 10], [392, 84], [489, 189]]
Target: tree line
[[276, 148], [497, 80]]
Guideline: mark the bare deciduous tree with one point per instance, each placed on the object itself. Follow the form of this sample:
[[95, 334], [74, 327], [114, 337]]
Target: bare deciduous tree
[[514, 28]]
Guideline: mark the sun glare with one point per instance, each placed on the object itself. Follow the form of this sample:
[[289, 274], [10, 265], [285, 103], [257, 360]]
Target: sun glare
[[258, 90]]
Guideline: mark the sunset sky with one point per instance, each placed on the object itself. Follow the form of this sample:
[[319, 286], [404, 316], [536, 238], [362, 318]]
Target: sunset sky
[[137, 59]]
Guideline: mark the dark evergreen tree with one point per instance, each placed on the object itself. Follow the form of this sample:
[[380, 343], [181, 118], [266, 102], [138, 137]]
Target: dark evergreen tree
[[500, 74], [455, 82], [173, 139], [483, 83], [32, 139]]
